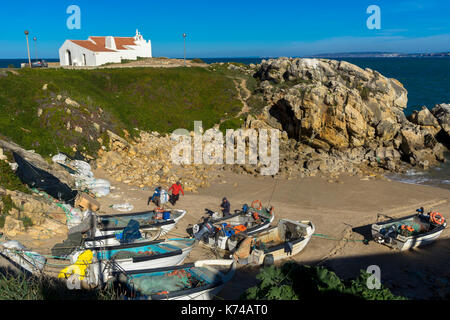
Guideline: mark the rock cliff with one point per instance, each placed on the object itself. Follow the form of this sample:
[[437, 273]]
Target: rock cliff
[[334, 113]]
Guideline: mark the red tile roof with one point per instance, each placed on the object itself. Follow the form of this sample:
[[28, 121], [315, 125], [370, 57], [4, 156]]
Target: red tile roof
[[99, 45], [91, 46], [121, 42]]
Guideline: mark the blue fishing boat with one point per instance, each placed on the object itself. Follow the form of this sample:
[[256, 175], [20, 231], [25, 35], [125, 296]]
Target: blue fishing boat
[[153, 224], [140, 255]]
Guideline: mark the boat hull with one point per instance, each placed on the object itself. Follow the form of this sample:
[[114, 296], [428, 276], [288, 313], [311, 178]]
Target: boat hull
[[206, 292], [152, 231], [222, 241], [279, 252], [130, 265], [403, 243]]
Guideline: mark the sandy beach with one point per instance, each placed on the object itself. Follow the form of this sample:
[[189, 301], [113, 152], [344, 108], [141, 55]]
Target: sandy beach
[[338, 209]]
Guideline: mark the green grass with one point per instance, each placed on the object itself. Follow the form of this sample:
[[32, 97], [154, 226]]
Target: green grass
[[198, 60], [21, 287], [154, 99], [9, 180], [233, 123]]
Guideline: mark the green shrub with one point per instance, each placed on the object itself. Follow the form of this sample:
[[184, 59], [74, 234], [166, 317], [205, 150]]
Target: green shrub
[[27, 222], [21, 287], [233, 123], [8, 204], [197, 60], [364, 92], [299, 282]]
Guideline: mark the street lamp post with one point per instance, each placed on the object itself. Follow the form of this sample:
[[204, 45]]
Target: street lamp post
[[35, 47], [184, 36], [28, 47]]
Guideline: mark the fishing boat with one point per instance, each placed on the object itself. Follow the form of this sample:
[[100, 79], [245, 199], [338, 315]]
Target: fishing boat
[[283, 241], [216, 231], [409, 232], [140, 255], [21, 257], [201, 280], [153, 224]]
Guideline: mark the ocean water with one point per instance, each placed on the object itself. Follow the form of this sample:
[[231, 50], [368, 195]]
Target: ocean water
[[436, 176], [5, 63]]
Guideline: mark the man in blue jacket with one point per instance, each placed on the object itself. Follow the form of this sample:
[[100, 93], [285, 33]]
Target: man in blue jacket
[[156, 197], [225, 207]]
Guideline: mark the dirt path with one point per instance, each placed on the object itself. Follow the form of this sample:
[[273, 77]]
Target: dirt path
[[243, 86]]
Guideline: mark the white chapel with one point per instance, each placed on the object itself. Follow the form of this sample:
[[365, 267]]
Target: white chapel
[[97, 51]]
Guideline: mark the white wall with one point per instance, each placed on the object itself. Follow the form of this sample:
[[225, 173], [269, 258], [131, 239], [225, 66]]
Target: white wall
[[77, 55]]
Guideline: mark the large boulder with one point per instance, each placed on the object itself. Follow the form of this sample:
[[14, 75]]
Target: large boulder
[[335, 107], [333, 104]]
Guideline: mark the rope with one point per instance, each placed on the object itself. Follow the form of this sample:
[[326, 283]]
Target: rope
[[273, 190]]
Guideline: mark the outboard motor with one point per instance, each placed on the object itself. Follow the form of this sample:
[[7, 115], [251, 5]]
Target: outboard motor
[[206, 229]]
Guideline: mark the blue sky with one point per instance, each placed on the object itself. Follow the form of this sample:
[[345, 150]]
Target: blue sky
[[245, 28]]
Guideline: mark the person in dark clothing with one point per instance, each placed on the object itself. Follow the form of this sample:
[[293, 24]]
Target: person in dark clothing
[[156, 197], [176, 189], [225, 206]]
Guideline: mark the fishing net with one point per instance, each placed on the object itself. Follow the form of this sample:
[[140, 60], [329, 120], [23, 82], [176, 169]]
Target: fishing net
[[165, 283]]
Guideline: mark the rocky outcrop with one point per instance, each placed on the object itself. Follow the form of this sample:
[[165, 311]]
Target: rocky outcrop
[[338, 109], [40, 162], [426, 120], [147, 163], [46, 218]]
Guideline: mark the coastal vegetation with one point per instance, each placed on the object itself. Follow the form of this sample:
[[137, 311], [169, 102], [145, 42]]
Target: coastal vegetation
[[293, 281], [56, 109], [22, 287]]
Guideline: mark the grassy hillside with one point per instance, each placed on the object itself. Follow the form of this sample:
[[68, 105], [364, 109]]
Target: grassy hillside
[[146, 98]]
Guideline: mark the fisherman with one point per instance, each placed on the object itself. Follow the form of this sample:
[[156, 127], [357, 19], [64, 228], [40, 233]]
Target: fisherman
[[176, 189], [156, 197], [225, 207]]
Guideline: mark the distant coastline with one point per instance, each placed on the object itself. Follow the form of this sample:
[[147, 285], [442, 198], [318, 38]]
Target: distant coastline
[[382, 55], [5, 63]]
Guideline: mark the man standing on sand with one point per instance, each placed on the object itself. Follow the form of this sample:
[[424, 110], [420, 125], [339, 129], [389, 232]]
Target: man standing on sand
[[176, 189], [225, 207], [155, 198]]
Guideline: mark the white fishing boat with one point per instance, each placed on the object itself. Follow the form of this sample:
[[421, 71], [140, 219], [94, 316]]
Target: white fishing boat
[[153, 224], [217, 232], [283, 241], [201, 280], [139, 255], [409, 232], [21, 257]]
